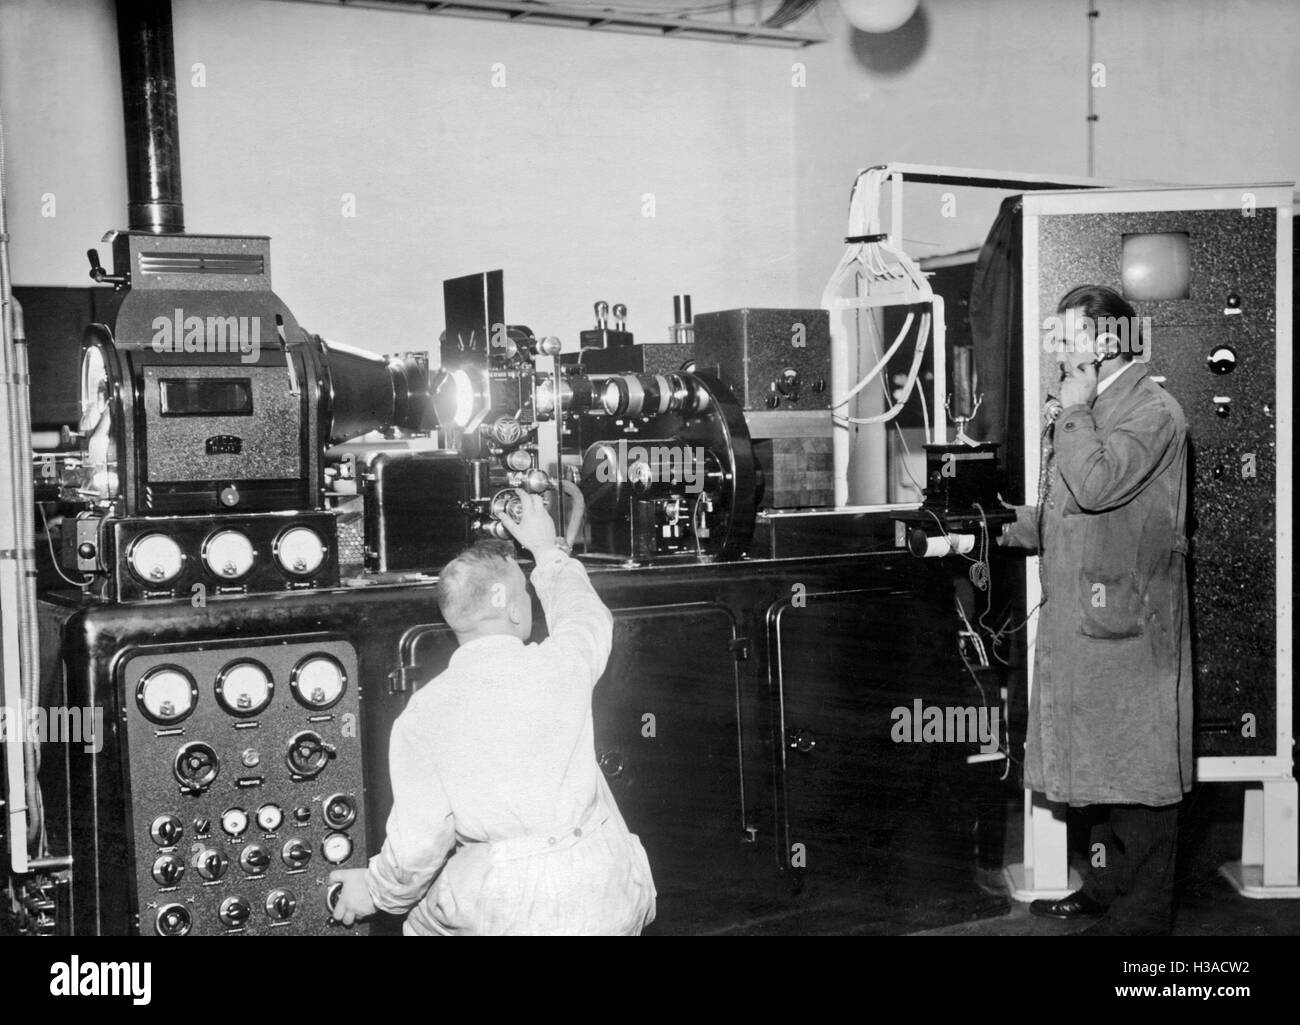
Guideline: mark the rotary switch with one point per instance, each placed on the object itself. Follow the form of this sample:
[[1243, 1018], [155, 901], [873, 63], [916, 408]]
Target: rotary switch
[[235, 912], [296, 853], [210, 863], [168, 870], [166, 830], [255, 859], [280, 905]]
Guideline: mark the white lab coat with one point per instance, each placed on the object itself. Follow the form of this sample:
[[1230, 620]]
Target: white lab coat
[[496, 754]]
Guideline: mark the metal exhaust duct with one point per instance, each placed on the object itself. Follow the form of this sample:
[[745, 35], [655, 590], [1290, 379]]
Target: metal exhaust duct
[[153, 149]]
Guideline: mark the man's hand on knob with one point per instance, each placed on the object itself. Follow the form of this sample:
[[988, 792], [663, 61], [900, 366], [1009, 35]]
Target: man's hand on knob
[[354, 898]]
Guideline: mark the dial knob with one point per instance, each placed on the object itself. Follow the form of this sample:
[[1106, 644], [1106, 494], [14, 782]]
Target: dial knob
[[196, 766], [168, 870], [172, 920], [281, 904], [211, 863], [308, 754], [332, 895], [508, 431], [235, 911], [339, 810], [166, 830], [255, 859], [296, 853]]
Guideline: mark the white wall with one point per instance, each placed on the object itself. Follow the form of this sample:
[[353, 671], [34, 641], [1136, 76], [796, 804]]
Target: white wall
[[544, 177], [1196, 91]]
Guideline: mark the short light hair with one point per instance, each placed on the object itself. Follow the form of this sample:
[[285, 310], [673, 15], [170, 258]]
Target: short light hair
[[466, 586]]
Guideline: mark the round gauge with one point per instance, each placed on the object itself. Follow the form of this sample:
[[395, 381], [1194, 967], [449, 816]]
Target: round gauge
[[337, 848], [318, 682], [228, 554], [299, 551], [244, 688], [166, 695], [234, 821], [155, 558], [269, 818], [1223, 360]]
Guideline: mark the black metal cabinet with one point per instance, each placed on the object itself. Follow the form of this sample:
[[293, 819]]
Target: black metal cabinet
[[714, 672]]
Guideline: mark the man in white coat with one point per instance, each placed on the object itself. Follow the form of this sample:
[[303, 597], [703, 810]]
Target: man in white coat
[[502, 822]]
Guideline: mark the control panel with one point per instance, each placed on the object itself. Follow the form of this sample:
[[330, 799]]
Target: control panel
[[147, 558], [245, 776], [772, 359]]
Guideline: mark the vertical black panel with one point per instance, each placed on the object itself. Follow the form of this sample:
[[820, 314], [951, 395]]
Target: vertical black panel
[[1232, 523], [54, 319]]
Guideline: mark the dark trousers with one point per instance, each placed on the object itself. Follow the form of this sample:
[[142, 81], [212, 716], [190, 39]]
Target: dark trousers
[[1131, 853]]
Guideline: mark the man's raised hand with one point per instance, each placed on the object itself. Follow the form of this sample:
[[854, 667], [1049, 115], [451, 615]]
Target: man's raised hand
[[534, 531]]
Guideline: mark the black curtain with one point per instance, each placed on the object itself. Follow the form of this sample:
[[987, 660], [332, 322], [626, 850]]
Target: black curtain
[[995, 319]]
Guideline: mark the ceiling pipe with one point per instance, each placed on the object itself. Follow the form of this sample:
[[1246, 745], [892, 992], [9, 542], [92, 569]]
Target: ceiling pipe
[[153, 148]]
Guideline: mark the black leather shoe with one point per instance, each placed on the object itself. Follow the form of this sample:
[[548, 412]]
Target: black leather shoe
[[1076, 905]]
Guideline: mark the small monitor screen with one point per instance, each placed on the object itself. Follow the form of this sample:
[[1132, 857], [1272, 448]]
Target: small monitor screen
[[207, 396], [1157, 266]]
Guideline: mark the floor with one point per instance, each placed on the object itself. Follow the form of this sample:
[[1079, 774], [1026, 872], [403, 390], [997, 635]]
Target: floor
[[1207, 904], [923, 885]]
